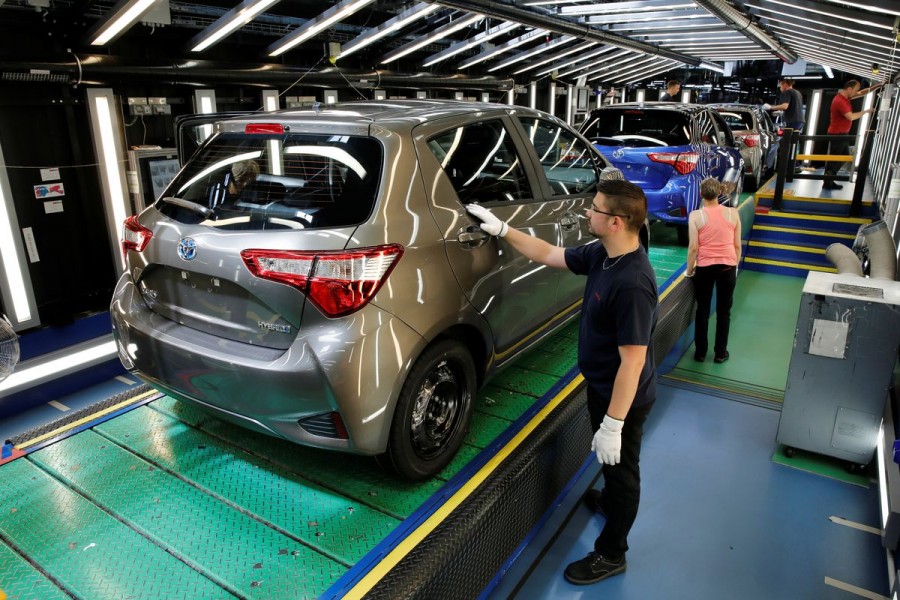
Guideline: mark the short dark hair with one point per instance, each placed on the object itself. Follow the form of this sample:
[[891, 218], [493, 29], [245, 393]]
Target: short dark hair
[[851, 83], [625, 198], [672, 82], [788, 80], [710, 188]]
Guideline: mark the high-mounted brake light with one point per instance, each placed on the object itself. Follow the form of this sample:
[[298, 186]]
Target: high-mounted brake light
[[684, 162], [338, 283], [264, 128], [134, 235]]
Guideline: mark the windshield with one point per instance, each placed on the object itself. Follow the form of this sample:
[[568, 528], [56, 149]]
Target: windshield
[[279, 181], [737, 120]]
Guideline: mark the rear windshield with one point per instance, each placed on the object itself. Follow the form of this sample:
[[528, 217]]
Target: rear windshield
[[656, 127], [279, 181], [737, 120]]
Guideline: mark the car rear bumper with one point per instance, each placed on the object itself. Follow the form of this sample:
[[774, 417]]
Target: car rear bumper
[[350, 366]]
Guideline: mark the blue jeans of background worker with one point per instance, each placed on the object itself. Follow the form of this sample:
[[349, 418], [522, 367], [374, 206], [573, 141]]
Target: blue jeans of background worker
[[723, 278], [621, 482]]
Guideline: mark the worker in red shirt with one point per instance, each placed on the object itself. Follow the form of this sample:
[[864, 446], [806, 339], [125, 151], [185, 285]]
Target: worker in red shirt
[[842, 116]]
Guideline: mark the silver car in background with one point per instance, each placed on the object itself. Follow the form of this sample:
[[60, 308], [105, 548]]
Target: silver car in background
[[757, 137], [314, 275]]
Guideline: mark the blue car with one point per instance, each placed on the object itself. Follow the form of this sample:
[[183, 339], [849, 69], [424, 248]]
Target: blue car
[[667, 149]]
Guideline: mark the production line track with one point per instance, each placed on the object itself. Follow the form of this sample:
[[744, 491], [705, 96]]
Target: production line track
[[163, 501]]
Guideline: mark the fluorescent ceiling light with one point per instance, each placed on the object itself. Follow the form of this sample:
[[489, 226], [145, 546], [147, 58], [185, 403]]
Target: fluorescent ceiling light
[[315, 25], [868, 6], [817, 38], [120, 18], [828, 71], [10, 254], [647, 17], [437, 34], [585, 58], [630, 8], [650, 71], [520, 56], [422, 9], [712, 67], [235, 18], [593, 63], [501, 48], [458, 47], [558, 55], [830, 15], [630, 64]]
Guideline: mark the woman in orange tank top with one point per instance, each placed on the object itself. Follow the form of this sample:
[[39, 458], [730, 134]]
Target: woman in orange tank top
[[714, 252]]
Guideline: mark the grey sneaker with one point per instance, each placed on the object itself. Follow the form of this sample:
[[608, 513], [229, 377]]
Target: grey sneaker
[[593, 568]]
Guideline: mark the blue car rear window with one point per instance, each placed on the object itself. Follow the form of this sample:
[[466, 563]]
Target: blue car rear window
[[670, 127]]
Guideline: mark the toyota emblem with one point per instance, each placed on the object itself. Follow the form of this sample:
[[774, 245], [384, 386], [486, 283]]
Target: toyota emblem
[[187, 249], [618, 153]]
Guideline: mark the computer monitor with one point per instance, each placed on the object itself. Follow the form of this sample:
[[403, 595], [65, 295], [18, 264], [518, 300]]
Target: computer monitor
[[151, 171]]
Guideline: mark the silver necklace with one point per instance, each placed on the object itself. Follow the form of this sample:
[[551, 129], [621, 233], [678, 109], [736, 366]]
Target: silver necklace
[[618, 258]]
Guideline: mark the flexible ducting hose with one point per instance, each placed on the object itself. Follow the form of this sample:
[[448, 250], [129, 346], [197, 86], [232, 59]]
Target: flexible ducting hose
[[844, 259], [882, 253]]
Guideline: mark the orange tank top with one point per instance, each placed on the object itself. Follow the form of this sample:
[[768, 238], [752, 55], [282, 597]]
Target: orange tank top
[[716, 237]]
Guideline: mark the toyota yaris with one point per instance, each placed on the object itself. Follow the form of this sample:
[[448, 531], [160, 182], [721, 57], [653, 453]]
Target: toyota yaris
[[314, 275]]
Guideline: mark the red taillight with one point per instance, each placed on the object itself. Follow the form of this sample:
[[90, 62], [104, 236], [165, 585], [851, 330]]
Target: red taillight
[[684, 162], [338, 283], [750, 140], [780, 132], [134, 235], [264, 128]]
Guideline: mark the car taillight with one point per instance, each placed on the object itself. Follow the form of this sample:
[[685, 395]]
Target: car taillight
[[338, 283], [684, 162], [780, 132], [750, 140], [134, 235]]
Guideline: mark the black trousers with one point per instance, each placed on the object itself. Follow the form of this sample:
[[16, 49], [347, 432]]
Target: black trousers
[[723, 278], [621, 482], [832, 167]]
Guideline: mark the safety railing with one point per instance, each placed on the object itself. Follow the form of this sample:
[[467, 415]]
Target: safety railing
[[788, 157]]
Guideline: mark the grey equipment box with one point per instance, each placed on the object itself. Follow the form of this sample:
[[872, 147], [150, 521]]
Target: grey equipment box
[[845, 348]]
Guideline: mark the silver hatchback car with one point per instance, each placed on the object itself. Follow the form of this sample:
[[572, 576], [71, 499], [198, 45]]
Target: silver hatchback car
[[314, 275]]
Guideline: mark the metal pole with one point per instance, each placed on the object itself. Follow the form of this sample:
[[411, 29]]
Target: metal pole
[[781, 165], [861, 174]]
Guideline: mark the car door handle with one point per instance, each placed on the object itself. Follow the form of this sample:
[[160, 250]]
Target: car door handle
[[473, 236], [569, 222]]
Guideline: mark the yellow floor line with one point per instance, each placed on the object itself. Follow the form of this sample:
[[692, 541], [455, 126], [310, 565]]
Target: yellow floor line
[[87, 419], [415, 537], [788, 247], [777, 263], [846, 236], [832, 218]]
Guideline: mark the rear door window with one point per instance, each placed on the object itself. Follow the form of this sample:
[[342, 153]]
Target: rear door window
[[277, 181], [571, 166], [482, 163]]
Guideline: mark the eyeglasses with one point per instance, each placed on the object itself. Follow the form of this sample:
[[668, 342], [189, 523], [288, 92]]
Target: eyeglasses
[[603, 212]]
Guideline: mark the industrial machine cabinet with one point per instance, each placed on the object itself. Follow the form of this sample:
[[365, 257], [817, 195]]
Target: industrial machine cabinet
[[845, 348]]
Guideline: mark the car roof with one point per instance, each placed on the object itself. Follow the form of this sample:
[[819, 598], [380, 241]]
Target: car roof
[[383, 112], [674, 106]]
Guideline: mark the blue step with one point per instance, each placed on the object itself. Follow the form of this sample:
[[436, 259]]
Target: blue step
[[817, 206], [808, 256], [781, 268], [818, 223], [804, 237]]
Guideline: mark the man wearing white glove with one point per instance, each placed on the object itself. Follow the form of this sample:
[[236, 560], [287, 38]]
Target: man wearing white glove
[[615, 354]]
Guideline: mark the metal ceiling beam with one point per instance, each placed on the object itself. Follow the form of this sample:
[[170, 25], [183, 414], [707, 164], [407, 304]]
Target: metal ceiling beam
[[545, 19], [743, 23]]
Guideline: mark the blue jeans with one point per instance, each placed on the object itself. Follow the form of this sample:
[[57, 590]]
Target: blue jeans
[[621, 482]]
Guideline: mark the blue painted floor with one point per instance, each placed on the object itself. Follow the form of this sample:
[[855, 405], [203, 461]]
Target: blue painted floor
[[718, 519]]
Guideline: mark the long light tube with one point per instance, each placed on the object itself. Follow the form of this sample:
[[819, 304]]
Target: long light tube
[[120, 18], [629, 8], [556, 56], [868, 102], [422, 9], [826, 14], [270, 100], [16, 284], [458, 47], [532, 94], [812, 118], [501, 48], [234, 19], [584, 58], [314, 26], [551, 103], [57, 364], [109, 146], [437, 34], [630, 66], [520, 56]]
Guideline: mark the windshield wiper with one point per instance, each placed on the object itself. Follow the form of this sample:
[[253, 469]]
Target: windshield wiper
[[207, 213]]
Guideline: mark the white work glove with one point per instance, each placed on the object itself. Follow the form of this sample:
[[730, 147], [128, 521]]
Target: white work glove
[[767, 107], [607, 442], [489, 223]]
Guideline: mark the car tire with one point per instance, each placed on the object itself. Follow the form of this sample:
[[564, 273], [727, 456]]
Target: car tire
[[433, 412]]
